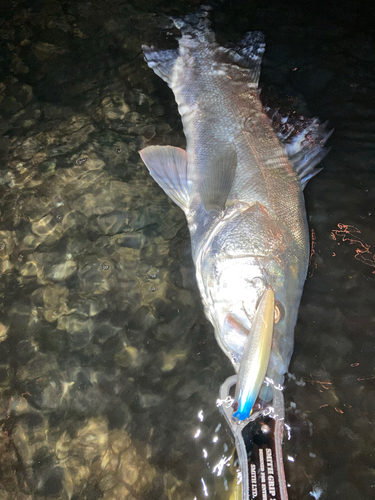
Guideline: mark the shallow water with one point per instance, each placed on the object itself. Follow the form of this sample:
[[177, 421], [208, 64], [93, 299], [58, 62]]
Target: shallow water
[[109, 371]]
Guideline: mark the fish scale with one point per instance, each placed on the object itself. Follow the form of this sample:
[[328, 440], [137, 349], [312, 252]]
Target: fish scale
[[283, 187]]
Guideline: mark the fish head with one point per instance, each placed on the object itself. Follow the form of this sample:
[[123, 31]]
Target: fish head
[[235, 288], [246, 255]]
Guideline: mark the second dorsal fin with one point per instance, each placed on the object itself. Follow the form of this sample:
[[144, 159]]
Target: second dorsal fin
[[161, 61]]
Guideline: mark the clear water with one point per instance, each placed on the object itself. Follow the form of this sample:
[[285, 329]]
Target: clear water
[[109, 371]]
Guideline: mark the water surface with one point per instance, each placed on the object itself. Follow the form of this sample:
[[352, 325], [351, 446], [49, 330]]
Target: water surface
[[109, 371]]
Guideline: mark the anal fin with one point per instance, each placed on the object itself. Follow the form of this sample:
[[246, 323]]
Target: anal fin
[[303, 140]]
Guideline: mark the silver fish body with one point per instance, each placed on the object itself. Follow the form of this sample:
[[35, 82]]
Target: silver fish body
[[242, 197]]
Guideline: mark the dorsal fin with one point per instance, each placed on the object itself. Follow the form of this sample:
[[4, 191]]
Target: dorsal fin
[[251, 49], [247, 54]]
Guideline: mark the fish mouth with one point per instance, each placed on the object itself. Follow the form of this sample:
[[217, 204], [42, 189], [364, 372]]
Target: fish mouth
[[256, 354]]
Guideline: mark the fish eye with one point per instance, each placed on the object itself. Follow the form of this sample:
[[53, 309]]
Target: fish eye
[[257, 282], [279, 311]]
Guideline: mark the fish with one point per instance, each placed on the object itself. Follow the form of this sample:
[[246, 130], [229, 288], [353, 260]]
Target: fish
[[240, 183]]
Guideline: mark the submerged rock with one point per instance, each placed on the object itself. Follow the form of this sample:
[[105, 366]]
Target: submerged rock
[[86, 247]]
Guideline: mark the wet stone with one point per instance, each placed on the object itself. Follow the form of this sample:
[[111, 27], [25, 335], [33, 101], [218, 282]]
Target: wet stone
[[104, 330], [150, 400], [3, 374], [90, 307], [175, 488], [112, 223], [131, 357], [3, 332], [96, 275], [48, 267], [172, 358], [117, 416], [79, 329], [178, 327], [113, 107], [143, 319], [51, 482], [54, 299]]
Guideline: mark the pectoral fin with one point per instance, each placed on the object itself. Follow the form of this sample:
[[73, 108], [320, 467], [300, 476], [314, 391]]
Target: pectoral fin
[[256, 356], [217, 169], [169, 167]]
